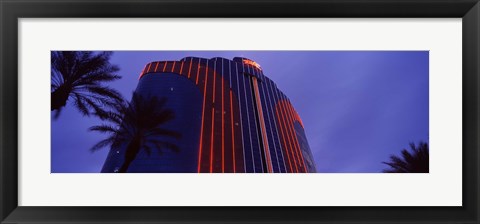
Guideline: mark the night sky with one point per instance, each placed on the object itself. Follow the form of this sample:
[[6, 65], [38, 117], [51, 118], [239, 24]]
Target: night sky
[[358, 107]]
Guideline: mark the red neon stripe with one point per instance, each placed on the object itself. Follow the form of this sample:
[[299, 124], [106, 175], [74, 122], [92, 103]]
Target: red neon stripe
[[262, 125], [181, 68], [296, 146], [141, 73], [198, 72], [203, 113], [211, 140], [164, 67], [173, 66], [156, 66], [214, 80], [288, 133], [287, 127], [296, 138], [223, 131], [149, 65], [283, 135], [293, 134], [233, 138], [190, 68], [213, 119], [287, 137]]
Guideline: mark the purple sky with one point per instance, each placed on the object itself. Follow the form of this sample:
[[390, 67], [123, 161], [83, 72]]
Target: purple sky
[[358, 107]]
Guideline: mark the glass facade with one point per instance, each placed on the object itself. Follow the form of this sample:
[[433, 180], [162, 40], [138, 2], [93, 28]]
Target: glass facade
[[184, 99], [232, 119]]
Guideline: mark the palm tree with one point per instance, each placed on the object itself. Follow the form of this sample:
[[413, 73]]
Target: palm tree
[[137, 125], [78, 76], [416, 161]]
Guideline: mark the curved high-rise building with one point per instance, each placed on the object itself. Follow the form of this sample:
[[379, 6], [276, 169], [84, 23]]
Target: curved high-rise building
[[232, 119]]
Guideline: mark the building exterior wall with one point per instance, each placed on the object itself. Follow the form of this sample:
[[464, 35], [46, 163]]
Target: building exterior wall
[[305, 148], [245, 123], [184, 99]]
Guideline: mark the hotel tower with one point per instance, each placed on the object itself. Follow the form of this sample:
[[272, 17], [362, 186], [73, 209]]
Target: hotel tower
[[231, 117]]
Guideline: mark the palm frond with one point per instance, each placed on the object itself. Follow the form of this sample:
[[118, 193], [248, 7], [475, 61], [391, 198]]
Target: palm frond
[[105, 91], [414, 161], [102, 144], [82, 74], [103, 128], [138, 124], [81, 105]]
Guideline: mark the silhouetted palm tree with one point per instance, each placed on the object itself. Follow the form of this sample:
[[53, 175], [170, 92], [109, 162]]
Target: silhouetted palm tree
[[79, 75], [137, 125], [416, 161]]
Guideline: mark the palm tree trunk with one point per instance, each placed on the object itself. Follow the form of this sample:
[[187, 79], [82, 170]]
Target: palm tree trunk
[[125, 166], [130, 155]]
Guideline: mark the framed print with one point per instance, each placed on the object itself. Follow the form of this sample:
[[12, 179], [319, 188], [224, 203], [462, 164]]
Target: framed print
[[248, 112]]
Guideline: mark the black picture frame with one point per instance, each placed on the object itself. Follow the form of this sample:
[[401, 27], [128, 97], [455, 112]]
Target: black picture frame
[[12, 10]]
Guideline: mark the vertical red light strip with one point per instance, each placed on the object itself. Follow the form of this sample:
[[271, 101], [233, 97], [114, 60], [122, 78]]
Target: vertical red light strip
[[149, 65], [198, 72], [292, 141], [214, 80], [141, 73], [190, 68], [288, 133], [280, 121], [213, 119], [290, 107], [223, 130], [211, 140], [266, 149], [287, 128], [156, 66], [164, 66], [292, 134], [203, 114], [181, 68], [173, 66], [233, 137]]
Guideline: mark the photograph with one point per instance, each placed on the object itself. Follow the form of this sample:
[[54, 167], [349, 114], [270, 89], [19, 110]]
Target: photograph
[[275, 111], [259, 111]]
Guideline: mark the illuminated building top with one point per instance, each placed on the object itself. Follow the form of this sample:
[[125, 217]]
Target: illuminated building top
[[252, 63]]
